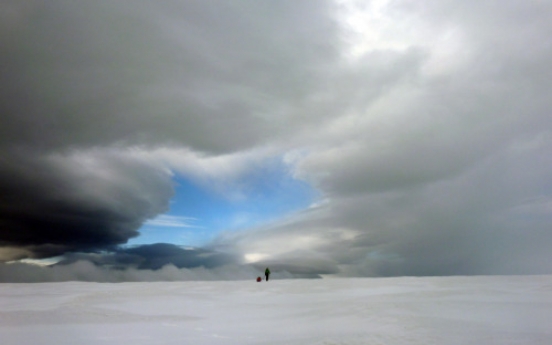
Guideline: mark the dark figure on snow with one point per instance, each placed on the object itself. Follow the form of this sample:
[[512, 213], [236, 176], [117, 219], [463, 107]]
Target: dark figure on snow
[[267, 273]]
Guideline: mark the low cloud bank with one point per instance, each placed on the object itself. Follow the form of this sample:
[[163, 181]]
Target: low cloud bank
[[87, 271], [155, 262]]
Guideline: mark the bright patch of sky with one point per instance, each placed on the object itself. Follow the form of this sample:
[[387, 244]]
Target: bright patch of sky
[[200, 211]]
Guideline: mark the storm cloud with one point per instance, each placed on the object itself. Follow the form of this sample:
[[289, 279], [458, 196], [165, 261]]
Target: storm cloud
[[89, 91], [424, 127], [78, 201]]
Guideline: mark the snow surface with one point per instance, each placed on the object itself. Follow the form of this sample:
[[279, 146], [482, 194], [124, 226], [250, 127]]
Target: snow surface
[[444, 310]]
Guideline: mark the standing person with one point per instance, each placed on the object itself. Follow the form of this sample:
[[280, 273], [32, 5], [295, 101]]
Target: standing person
[[267, 273]]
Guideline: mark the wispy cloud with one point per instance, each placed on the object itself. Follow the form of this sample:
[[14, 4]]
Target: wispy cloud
[[172, 222]]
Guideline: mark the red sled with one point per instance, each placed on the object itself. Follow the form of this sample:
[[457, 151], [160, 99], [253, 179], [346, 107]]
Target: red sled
[[259, 279]]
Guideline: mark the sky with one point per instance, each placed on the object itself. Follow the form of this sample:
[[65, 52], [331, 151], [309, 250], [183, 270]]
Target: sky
[[322, 138]]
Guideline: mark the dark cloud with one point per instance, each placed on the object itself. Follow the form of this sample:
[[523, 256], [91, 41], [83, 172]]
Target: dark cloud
[[83, 85], [76, 202], [155, 256]]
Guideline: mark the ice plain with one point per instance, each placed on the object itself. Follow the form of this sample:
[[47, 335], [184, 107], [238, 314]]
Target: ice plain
[[406, 310]]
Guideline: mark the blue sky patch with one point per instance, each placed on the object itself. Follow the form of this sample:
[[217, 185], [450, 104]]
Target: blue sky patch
[[199, 212]]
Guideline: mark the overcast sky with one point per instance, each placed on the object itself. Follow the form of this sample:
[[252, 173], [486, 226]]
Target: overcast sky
[[349, 138]]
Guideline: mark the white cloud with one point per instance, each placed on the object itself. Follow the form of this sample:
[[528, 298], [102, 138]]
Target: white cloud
[[165, 220]]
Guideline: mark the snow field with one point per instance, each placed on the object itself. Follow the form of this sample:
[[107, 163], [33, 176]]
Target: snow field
[[444, 310]]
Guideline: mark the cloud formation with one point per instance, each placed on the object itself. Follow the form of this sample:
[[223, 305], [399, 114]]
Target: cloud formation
[[432, 165], [156, 262], [424, 126], [86, 271], [77, 201]]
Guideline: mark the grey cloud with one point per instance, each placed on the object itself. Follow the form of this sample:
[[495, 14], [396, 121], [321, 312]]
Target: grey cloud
[[430, 129], [156, 262], [104, 77], [87, 271], [429, 174], [483, 221], [204, 75], [79, 201]]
